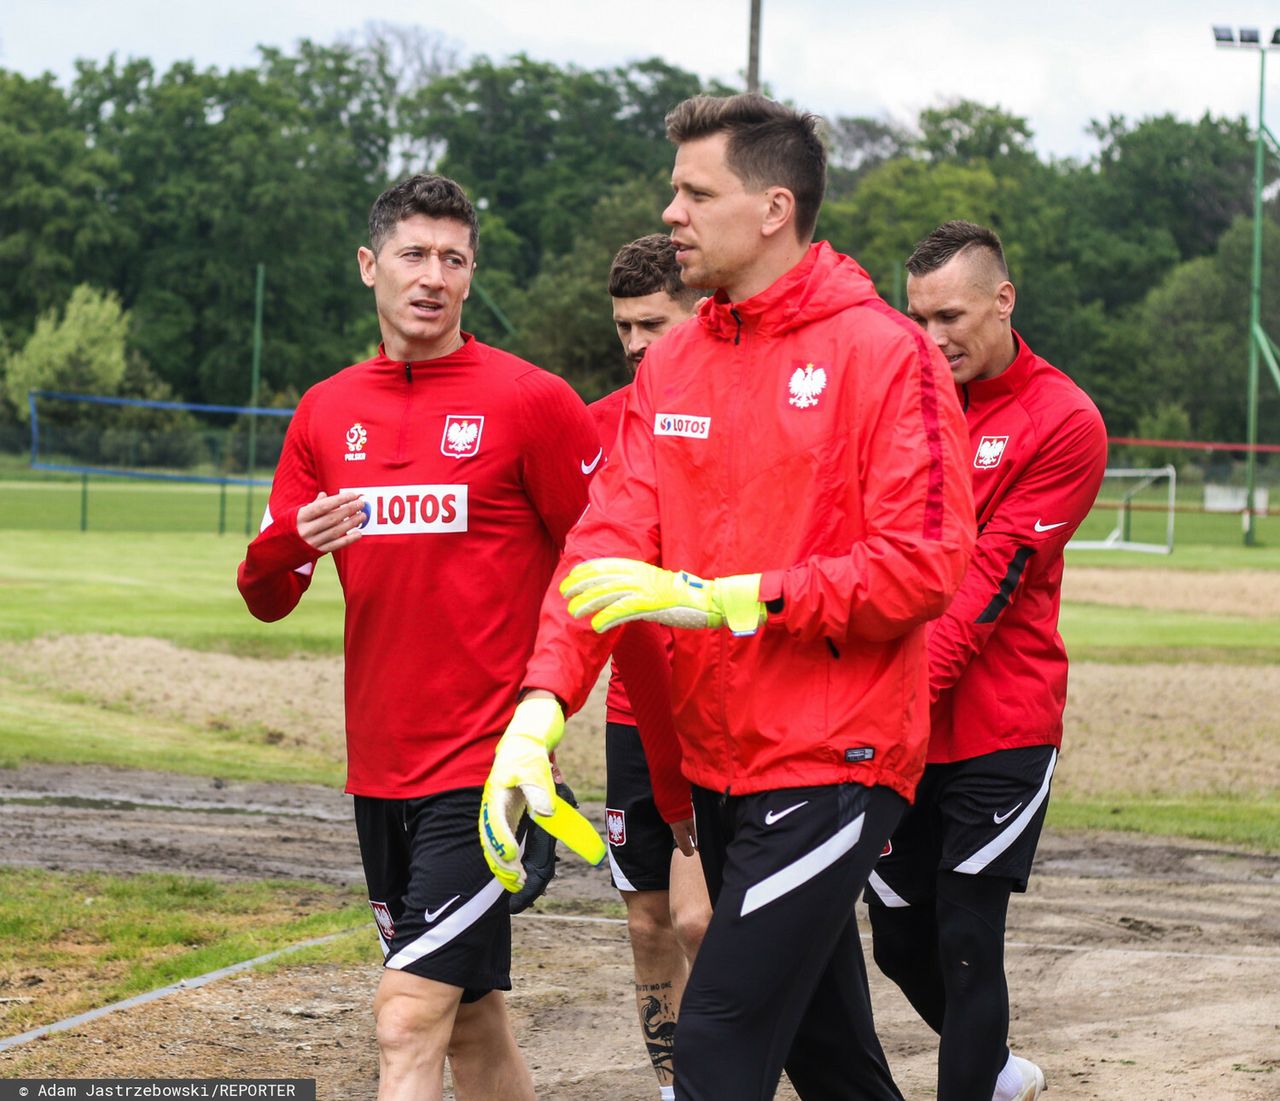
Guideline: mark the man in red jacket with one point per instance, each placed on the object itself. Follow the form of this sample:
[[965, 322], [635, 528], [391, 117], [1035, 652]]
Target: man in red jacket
[[647, 800], [436, 474], [799, 448], [997, 671]]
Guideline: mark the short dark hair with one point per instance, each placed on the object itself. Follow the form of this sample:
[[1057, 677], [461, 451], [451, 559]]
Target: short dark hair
[[648, 265], [770, 145], [952, 238], [432, 196]]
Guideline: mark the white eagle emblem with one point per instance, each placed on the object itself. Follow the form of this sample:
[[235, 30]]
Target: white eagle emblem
[[461, 436], [806, 384], [990, 450]]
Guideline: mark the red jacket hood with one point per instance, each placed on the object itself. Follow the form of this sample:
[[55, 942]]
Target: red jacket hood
[[822, 284]]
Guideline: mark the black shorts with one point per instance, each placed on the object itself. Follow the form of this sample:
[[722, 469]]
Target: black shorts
[[640, 842], [439, 910], [982, 816]]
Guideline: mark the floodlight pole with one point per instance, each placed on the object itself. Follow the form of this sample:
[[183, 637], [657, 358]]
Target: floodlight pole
[[259, 290], [753, 50], [1255, 314]]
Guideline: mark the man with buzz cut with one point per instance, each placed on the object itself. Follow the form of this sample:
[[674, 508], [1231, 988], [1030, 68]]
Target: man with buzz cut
[[442, 476], [787, 491], [647, 801], [997, 671]]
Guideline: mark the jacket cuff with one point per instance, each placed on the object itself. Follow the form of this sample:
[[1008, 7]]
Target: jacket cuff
[[771, 595]]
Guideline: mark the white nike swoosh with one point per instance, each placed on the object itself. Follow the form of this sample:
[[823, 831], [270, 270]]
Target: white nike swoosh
[[1050, 527], [431, 915], [774, 815], [587, 468], [998, 819]]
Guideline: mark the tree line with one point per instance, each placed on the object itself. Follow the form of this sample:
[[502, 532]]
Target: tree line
[[135, 205]]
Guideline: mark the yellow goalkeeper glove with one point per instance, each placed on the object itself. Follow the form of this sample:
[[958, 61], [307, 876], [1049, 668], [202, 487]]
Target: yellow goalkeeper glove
[[617, 590], [521, 775]]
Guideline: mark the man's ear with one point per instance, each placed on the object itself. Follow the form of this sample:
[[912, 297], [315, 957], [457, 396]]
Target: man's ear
[[368, 265], [1006, 297], [779, 211]]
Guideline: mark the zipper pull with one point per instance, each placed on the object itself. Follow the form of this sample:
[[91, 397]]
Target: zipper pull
[[408, 372], [737, 336]]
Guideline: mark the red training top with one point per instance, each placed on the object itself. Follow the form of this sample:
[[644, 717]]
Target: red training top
[[811, 434], [997, 665], [473, 467]]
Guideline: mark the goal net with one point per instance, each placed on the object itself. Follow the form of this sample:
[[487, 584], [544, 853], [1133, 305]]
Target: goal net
[[1134, 511]]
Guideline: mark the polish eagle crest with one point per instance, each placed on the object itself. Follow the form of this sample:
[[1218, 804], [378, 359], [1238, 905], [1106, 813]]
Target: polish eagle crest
[[806, 384], [461, 436]]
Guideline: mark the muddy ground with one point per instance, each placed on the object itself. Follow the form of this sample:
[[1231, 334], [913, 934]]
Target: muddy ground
[[1138, 967]]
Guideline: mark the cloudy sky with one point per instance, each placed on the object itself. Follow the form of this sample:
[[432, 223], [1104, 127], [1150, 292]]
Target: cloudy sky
[[1057, 64]]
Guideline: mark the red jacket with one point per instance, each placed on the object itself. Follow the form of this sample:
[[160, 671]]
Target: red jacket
[[642, 656], [472, 467], [809, 433], [997, 665]]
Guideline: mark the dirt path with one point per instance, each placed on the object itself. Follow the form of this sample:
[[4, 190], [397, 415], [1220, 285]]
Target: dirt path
[[1138, 967]]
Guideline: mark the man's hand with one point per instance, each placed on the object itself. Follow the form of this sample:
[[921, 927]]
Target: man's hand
[[328, 524], [520, 777], [617, 590], [685, 835], [539, 859]]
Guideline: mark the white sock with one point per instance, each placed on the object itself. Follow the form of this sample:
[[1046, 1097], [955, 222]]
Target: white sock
[[666, 1093], [1009, 1081]]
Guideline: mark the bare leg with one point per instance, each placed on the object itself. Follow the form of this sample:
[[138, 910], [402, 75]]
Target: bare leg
[[483, 1056], [690, 906], [414, 1022]]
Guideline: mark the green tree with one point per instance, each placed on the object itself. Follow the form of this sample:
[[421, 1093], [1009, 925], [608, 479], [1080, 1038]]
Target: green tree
[[79, 349], [54, 227], [565, 318]]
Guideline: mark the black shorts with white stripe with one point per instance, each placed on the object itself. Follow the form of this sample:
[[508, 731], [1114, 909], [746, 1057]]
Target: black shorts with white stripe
[[982, 816], [640, 842], [440, 912]]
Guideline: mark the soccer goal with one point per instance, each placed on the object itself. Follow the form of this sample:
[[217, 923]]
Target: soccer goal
[[1144, 502]]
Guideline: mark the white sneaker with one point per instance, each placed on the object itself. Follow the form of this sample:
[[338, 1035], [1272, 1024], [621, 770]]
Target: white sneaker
[[1032, 1080]]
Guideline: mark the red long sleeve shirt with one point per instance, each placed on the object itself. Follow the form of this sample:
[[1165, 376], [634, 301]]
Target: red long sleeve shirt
[[473, 467], [997, 664]]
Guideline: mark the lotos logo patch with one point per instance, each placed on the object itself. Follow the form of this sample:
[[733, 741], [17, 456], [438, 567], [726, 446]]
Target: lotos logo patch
[[412, 510], [682, 424], [461, 439], [382, 915], [616, 820], [357, 436], [990, 450]]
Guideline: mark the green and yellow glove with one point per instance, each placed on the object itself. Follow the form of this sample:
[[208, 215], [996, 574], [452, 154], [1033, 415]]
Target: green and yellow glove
[[617, 590], [520, 777]]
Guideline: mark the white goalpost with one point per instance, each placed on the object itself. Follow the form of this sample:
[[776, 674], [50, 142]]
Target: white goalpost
[[1130, 483]]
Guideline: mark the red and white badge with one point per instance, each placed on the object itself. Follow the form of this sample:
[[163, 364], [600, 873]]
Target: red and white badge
[[382, 916], [616, 820], [990, 451], [461, 439]]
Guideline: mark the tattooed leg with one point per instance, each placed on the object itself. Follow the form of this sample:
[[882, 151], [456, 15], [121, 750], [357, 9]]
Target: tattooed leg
[[661, 971]]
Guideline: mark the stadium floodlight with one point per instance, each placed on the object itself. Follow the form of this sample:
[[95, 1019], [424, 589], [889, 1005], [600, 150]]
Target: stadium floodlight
[[1259, 342]]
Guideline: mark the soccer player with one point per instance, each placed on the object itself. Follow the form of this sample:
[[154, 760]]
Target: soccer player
[[661, 883], [997, 671], [799, 448], [442, 475]]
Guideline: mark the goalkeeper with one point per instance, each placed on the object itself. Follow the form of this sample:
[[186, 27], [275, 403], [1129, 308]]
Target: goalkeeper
[[799, 451]]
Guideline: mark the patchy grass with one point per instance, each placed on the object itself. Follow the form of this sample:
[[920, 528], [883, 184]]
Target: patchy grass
[[70, 942]]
